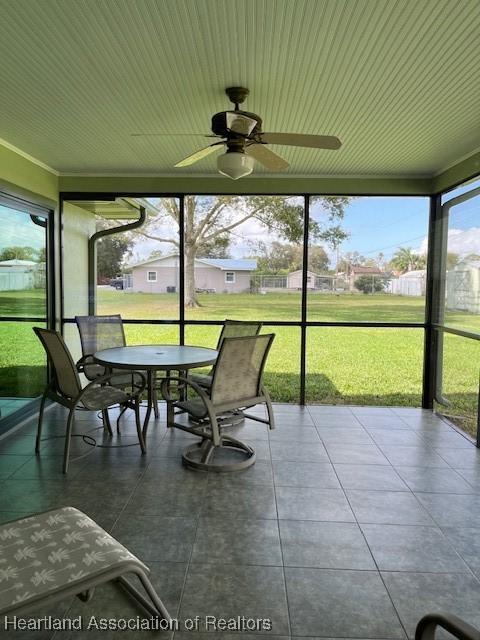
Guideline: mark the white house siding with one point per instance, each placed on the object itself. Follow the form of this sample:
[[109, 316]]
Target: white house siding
[[168, 275]]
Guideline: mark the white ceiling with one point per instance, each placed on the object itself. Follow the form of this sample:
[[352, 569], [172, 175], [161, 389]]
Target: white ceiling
[[397, 81]]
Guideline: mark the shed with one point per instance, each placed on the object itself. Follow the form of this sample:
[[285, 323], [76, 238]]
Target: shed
[[17, 275], [463, 287], [410, 283]]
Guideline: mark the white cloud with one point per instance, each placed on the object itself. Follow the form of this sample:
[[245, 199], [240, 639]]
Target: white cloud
[[460, 241]]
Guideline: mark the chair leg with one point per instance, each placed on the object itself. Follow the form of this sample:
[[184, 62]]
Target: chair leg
[[68, 438], [106, 422], [138, 424], [40, 421], [124, 408], [271, 417], [156, 412], [154, 605]]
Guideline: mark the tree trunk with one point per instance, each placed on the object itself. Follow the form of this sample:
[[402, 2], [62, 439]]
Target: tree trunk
[[190, 298]]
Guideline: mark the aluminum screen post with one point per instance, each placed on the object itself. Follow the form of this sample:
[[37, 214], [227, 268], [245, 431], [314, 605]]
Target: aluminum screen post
[[92, 256]]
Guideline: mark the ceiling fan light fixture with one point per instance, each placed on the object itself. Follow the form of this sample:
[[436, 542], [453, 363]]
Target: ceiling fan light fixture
[[235, 164]]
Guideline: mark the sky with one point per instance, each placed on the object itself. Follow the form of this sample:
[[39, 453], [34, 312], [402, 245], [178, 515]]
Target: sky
[[375, 224], [18, 230]]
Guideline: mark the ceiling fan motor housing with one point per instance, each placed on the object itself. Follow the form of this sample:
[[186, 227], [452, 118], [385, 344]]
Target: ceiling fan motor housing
[[221, 128]]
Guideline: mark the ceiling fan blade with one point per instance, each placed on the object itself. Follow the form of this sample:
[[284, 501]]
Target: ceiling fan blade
[[198, 155], [138, 135], [302, 140], [266, 157]]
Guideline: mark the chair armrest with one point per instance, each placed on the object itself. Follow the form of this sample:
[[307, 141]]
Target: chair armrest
[[80, 364], [108, 376], [190, 383], [459, 628]]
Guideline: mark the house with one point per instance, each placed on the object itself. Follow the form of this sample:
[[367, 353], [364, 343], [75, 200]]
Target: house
[[215, 275], [410, 283], [463, 287], [360, 270]]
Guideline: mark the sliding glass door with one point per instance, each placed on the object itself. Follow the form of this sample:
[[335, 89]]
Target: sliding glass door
[[24, 302]]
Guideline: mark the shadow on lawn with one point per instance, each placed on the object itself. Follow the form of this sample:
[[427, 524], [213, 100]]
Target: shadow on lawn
[[285, 387], [23, 381], [21, 303]]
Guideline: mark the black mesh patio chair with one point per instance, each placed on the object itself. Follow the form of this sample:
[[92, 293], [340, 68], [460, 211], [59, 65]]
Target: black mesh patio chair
[[98, 395], [230, 329], [98, 333], [236, 384]]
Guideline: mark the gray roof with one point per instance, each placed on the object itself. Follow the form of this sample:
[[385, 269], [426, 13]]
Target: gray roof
[[228, 264]]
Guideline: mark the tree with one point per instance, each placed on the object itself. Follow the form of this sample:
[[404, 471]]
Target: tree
[[452, 260], [218, 247], [207, 218], [111, 251], [370, 283], [404, 259], [334, 236], [20, 253], [350, 259]]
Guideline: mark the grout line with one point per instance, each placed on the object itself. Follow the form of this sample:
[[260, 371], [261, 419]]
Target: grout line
[[370, 551], [280, 540]]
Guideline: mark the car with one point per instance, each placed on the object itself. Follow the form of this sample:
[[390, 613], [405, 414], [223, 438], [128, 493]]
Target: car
[[117, 283]]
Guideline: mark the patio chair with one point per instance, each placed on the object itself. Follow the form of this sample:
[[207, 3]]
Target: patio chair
[[61, 553], [429, 624], [236, 384], [98, 395], [230, 329], [98, 333]]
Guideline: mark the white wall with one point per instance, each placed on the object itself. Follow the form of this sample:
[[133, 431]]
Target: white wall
[[78, 226]]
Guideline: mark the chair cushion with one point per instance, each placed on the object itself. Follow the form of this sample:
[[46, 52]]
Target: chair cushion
[[201, 379], [100, 397], [195, 407], [43, 554]]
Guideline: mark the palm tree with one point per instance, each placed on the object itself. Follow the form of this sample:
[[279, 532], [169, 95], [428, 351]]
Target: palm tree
[[404, 259]]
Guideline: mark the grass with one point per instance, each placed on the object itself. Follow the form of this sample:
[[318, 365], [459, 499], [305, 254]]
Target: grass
[[364, 366]]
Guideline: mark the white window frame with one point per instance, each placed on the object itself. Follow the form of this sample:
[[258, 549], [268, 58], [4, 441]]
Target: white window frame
[[232, 273], [149, 279]]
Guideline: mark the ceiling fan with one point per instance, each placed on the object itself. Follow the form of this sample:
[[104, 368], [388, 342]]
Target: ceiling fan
[[241, 132]]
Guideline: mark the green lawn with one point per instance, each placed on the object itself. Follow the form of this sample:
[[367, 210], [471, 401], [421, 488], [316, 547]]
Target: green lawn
[[344, 365]]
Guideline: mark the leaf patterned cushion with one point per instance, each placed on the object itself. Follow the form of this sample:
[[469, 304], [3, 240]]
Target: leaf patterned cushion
[[42, 554], [103, 396]]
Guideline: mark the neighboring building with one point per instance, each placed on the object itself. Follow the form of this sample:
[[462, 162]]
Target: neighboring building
[[357, 271], [18, 275], [161, 275], [410, 283], [463, 287], [294, 280]]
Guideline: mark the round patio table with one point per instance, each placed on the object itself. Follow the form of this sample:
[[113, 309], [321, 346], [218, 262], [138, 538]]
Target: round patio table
[[155, 357]]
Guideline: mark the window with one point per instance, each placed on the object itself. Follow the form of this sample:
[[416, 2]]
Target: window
[[24, 302], [229, 277], [367, 258], [151, 276]]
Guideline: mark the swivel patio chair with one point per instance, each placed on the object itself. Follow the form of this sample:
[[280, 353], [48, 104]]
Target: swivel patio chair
[[98, 333], [62, 553], [98, 395], [236, 384], [230, 329]]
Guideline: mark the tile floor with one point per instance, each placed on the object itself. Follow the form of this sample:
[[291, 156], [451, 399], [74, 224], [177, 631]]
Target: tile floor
[[353, 523]]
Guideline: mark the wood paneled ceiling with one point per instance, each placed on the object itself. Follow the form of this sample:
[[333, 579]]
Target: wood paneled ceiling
[[398, 81]]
